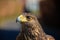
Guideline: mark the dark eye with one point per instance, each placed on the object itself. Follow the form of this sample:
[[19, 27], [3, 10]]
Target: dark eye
[[28, 17]]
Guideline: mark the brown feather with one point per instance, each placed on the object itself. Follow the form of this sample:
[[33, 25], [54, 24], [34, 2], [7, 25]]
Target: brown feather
[[32, 30]]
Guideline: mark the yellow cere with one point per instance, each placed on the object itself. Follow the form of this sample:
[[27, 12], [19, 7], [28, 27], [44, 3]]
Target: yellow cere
[[23, 18]]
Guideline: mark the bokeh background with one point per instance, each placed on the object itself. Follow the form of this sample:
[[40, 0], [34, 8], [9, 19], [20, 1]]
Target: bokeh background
[[11, 9]]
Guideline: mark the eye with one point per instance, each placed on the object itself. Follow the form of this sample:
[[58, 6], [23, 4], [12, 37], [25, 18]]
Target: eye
[[28, 17]]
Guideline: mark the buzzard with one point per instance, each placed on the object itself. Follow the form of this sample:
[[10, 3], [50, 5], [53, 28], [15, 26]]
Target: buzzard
[[31, 29]]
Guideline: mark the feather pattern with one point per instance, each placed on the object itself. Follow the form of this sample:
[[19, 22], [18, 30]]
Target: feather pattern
[[32, 30]]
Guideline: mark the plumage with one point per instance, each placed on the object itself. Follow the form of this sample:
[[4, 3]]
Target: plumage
[[31, 29]]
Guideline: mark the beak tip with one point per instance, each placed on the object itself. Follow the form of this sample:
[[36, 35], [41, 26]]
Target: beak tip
[[16, 20]]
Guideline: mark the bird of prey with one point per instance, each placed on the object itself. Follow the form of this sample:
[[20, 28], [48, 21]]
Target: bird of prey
[[31, 29]]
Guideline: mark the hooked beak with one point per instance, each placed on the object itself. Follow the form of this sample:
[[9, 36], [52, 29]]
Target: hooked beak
[[21, 18]]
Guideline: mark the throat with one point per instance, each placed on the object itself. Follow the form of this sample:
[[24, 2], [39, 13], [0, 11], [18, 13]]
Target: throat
[[33, 33]]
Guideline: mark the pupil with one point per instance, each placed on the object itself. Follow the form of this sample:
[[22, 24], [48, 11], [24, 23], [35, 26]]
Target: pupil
[[28, 17]]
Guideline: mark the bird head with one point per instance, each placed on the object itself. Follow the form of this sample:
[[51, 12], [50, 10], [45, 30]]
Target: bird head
[[25, 18]]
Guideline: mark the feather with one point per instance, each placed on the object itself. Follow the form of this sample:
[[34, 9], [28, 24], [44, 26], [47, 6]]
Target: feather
[[32, 30]]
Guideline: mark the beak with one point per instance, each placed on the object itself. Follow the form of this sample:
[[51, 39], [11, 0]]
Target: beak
[[18, 19], [21, 18]]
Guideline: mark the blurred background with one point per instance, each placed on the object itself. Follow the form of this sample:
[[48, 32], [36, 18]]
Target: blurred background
[[9, 11], [45, 10]]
